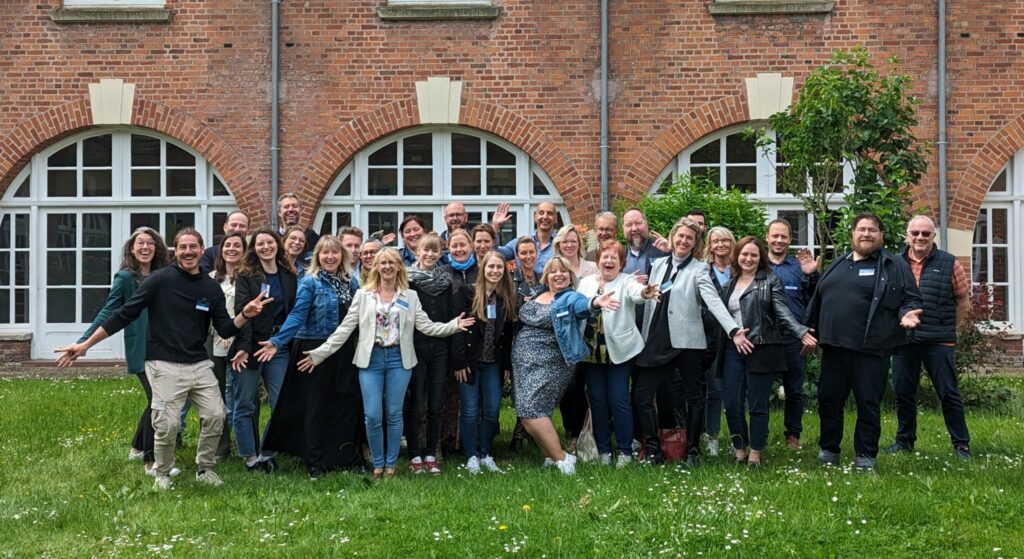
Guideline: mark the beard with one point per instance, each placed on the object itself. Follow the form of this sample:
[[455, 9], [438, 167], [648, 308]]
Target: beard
[[637, 242]]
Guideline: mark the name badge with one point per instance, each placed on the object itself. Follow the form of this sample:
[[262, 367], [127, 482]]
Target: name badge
[[203, 305], [402, 304], [492, 311], [561, 314], [866, 272], [791, 288], [265, 289], [666, 286]]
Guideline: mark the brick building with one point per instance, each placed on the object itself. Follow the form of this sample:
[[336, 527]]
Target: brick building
[[158, 113]]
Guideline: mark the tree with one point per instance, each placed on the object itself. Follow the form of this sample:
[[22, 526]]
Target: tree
[[851, 117], [729, 208]]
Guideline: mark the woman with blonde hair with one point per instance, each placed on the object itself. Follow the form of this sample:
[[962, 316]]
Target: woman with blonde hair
[[718, 255], [569, 244]]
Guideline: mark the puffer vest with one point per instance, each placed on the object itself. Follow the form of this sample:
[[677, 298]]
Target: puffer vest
[[938, 322]]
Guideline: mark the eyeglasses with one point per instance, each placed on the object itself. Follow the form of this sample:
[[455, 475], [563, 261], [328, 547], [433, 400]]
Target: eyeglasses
[[924, 234], [145, 243], [368, 253], [862, 230]]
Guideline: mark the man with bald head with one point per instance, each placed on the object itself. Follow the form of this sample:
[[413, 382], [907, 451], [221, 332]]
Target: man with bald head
[[545, 217], [945, 291]]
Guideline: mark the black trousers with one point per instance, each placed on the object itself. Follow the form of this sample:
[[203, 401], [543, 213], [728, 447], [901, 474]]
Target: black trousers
[[793, 383], [426, 389], [844, 371], [574, 404], [143, 439], [688, 392], [938, 361]]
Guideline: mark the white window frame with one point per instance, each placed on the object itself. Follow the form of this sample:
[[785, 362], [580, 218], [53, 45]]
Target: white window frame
[[359, 203], [114, 3], [1012, 200]]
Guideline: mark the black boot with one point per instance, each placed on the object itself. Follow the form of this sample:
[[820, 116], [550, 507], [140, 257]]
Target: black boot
[[652, 451], [518, 436]]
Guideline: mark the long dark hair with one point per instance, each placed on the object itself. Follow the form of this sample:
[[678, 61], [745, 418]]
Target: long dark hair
[[250, 264], [762, 262], [503, 289], [220, 268], [160, 253]]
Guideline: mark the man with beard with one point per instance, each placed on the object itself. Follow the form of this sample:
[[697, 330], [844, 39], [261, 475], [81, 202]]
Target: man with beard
[[864, 302], [605, 225], [545, 218], [289, 209], [799, 277], [641, 248]]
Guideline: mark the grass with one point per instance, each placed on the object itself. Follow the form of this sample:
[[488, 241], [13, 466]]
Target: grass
[[67, 490]]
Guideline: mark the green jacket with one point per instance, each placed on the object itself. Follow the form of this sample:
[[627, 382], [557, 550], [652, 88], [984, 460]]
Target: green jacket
[[123, 288]]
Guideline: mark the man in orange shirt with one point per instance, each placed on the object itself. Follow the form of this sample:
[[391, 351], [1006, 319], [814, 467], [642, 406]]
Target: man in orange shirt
[[945, 291]]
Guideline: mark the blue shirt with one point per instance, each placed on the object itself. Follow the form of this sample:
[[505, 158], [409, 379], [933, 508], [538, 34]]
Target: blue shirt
[[508, 252], [277, 292], [723, 277], [798, 286]]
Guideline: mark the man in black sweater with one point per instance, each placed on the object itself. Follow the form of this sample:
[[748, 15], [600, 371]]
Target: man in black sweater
[[182, 302]]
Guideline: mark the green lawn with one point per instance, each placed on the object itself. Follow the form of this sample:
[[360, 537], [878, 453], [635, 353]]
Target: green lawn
[[67, 490]]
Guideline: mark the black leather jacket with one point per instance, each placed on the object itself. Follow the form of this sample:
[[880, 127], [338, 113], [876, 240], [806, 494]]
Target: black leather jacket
[[766, 315]]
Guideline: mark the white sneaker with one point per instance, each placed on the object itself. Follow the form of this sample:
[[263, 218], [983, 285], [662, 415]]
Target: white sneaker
[[473, 465], [606, 459], [567, 465], [636, 446], [175, 472], [712, 447], [162, 483], [209, 477], [490, 465], [623, 460], [549, 462], [135, 454]]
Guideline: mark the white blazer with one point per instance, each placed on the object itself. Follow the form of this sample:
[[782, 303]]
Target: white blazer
[[691, 286], [620, 332], [363, 313]]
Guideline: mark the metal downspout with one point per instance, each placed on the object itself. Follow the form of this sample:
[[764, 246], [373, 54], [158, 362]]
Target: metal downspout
[[943, 203], [604, 104], [275, 148]]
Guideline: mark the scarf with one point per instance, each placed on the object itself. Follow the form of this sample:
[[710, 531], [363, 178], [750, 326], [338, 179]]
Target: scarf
[[433, 282], [341, 288], [463, 266]]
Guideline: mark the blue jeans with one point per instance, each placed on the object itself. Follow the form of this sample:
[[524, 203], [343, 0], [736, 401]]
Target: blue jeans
[[609, 391], [485, 393], [384, 380], [245, 393], [758, 387]]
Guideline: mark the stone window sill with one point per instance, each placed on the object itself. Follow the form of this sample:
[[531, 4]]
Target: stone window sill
[[111, 15], [436, 12], [769, 7]]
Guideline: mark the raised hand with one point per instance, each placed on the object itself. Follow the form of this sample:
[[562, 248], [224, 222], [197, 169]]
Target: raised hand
[[661, 243], [606, 301], [265, 353], [388, 238], [465, 321], [70, 353], [808, 263], [500, 216], [255, 307], [743, 345], [305, 364], [912, 319], [239, 361]]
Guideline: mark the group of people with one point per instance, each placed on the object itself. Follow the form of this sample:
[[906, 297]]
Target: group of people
[[360, 345]]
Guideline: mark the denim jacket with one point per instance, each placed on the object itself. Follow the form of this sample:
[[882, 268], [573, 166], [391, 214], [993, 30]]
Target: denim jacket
[[569, 311], [315, 314]]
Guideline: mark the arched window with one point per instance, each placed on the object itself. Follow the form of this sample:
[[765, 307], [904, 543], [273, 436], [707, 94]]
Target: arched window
[[67, 214], [731, 159], [419, 171], [996, 261]]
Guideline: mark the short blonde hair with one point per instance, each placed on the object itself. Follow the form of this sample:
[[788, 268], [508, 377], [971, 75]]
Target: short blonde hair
[[456, 233], [401, 279], [430, 240], [563, 233], [562, 263]]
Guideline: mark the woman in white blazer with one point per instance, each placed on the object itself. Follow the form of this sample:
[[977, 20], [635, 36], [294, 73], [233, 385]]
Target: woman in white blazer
[[614, 341], [675, 342], [386, 313]]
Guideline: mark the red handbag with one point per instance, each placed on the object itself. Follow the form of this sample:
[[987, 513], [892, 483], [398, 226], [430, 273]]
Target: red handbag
[[673, 445]]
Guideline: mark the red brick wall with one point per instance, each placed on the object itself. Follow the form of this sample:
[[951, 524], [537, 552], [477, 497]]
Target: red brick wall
[[530, 76]]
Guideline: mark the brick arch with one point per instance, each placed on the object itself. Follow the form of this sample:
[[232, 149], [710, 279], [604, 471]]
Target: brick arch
[[45, 128], [982, 170], [340, 147], [709, 117]]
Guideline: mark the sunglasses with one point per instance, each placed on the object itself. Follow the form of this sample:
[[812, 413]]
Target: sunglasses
[[924, 234]]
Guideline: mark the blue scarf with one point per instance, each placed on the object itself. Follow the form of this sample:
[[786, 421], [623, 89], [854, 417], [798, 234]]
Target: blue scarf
[[463, 266]]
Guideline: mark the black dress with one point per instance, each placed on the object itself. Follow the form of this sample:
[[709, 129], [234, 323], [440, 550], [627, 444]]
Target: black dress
[[319, 415]]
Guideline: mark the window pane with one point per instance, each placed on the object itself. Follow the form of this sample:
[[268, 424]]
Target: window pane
[[472, 218], [5, 231], [999, 185], [798, 225], [60, 305], [496, 155], [739, 149], [5, 306], [539, 188], [62, 183], [151, 220], [181, 182], [145, 182], [981, 228], [177, 157], [1000, 265], [96, 151], [60, 267], [95, 267], [743, 179], [709, 172], [1000, 297], [387, 155], [96, 230], [21, 235], [218, 228], [5, 268], [382, 182], [218, 187], [465, 150], [466, 182], [418, 182], [501, 182], [327, 225], [145, 151], [979, 264], [67, 157], [999, 228], [706, 154], [21, 305], [345, 188], [177, 221], [92, 302], [382, 221], [61, 230], [418, 150], [341, 219], [96, 183], [21, 268], [427, 217], [24, 189]]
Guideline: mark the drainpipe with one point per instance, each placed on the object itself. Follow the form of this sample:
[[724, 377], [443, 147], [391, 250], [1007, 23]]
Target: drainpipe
[[604, 104], [943, 210], [275, 148]]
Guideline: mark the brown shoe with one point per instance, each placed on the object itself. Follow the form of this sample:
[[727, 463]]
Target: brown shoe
[[793, 443]]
